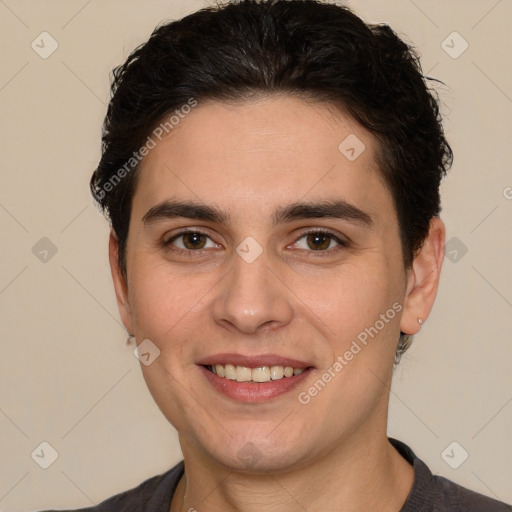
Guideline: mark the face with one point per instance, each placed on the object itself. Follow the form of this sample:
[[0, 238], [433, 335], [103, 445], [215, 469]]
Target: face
[[256, 242]]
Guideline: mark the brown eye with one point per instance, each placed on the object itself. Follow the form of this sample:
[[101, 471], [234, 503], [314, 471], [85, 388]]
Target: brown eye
[[191, 241], [194, 240], [318, 241]]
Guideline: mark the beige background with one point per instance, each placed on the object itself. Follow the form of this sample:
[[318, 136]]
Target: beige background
[[66, 375]]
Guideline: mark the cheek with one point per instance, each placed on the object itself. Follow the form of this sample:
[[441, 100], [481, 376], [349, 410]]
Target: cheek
[[162, 302], [348, 298]]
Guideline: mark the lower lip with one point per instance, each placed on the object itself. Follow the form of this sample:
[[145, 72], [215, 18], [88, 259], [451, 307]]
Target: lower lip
[[254, 392]]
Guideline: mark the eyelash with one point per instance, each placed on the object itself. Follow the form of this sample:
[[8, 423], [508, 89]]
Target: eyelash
[[167, 244]]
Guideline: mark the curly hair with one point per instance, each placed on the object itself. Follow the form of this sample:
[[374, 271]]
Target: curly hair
[[306, 48]]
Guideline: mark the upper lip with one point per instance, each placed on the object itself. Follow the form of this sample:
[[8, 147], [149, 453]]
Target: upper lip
[[256, 361]]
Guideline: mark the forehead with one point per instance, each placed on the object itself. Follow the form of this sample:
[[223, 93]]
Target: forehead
[[258, 154]]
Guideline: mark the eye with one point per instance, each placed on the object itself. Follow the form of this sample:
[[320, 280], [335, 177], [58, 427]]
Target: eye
[[318, 241], [191, 240]]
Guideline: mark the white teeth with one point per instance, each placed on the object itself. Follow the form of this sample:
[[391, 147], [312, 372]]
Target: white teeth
[[229, 372], [276, 372], [260, 374], [243, 374]]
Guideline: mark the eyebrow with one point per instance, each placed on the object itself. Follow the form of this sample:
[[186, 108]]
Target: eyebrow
[[190, 210], [338, 209], [334, 209]]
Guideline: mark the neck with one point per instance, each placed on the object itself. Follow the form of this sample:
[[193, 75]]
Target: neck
[[363, 473]]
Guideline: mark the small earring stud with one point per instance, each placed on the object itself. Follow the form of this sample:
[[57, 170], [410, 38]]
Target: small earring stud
[[420, 321], [130, 339]]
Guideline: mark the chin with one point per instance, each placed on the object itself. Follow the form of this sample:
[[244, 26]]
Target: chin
[[258, 452]]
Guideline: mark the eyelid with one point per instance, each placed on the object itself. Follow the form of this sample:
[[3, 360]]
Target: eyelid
[[184, 231], [167, 241], [337, 238]]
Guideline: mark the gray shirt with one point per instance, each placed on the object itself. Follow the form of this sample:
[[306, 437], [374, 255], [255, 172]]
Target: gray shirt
[[429, 493]]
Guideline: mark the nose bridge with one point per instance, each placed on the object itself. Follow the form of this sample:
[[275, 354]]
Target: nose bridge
[[249, 280], [251, 296]]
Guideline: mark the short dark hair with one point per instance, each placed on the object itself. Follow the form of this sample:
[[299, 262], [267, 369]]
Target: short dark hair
[[305, 48]]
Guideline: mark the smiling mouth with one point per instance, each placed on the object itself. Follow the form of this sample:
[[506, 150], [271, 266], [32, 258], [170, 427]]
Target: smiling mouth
[[253, 375]]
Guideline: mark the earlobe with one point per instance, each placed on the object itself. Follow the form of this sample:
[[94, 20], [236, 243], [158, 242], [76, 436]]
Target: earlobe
[[119, 281], [423, 279]]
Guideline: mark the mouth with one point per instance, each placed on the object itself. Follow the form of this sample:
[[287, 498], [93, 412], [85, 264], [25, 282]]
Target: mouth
[[254, 379]]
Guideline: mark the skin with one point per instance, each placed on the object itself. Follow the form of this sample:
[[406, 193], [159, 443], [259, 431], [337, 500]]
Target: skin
[[249, 159]]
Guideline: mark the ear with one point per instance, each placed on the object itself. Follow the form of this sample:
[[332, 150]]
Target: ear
[[120, 284], [423, 278]]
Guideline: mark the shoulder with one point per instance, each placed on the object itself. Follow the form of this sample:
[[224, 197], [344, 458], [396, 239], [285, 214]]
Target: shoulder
[[152, 495], [455, 497], [432, 493]]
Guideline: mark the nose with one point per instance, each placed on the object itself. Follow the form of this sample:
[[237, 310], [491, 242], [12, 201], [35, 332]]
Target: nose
[[252, 298]]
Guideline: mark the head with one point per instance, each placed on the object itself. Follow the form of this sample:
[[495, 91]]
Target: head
[[244, 125]]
